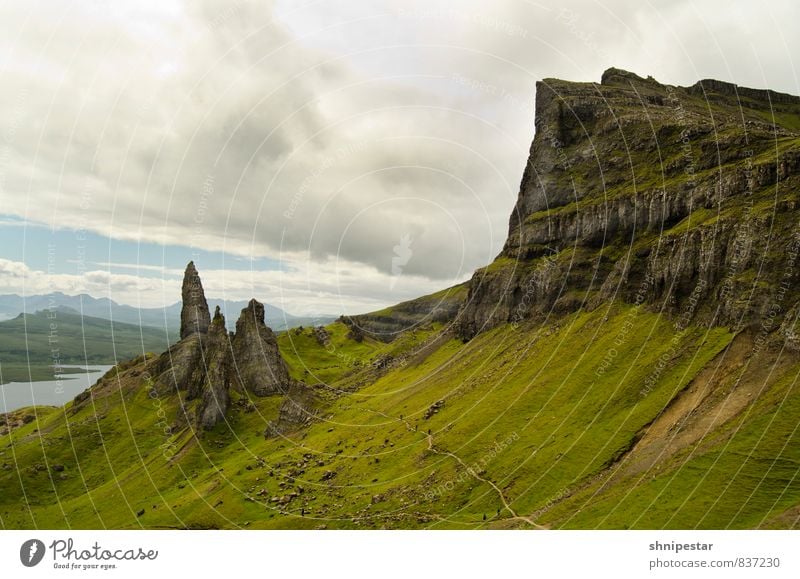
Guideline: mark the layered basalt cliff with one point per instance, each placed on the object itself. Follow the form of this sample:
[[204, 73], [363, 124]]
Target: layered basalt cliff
[[208, 363], [681, 199]]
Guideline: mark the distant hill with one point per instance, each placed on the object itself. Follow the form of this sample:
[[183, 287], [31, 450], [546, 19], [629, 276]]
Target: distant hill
[[31, 343], [168, 317]]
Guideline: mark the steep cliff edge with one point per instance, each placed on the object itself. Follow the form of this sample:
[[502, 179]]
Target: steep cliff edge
[[683, 199]]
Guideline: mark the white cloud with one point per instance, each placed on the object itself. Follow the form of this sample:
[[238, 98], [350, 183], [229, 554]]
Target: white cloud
[[304, 288], [331, 132]]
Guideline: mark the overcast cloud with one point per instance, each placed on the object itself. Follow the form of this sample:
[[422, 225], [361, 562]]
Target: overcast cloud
[[333, 136]]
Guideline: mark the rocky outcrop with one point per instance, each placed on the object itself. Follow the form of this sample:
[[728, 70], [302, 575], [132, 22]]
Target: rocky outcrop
[[211, 379], [195, 317], [299, 408], [208, 362], [322, 336], [257, 366], [649, 193]]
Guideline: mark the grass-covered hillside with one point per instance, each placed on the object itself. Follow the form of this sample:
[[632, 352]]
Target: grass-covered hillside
[[522, 427]]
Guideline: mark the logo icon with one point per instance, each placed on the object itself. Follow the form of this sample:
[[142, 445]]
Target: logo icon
[[32, 552], [402, 255]]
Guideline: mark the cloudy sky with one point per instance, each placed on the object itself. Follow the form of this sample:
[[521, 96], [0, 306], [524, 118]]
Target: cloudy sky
[[324, 156]]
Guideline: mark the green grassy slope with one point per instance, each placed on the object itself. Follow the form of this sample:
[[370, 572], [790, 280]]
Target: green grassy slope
[[536, 426]]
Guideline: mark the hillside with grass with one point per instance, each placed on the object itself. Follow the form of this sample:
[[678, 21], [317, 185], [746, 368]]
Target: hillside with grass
[[629, 361]]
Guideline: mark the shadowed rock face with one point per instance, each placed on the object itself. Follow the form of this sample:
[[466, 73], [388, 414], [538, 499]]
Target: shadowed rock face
[[257, 364], [195, 317], [213, 376]]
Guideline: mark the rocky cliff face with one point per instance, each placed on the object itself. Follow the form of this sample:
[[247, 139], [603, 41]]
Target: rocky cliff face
[[680, 199], [208, 362]]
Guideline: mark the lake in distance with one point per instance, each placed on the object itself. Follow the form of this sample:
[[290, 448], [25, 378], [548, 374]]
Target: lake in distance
[[55, 392]]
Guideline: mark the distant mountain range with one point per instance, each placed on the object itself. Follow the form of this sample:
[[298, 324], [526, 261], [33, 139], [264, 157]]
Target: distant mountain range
[[12, 305]]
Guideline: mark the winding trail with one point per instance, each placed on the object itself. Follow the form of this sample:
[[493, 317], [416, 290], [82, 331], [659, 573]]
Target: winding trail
[[514, 515], [431, 447]]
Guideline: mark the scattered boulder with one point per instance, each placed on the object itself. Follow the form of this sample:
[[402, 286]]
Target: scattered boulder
[[434, 409], [322, 336]]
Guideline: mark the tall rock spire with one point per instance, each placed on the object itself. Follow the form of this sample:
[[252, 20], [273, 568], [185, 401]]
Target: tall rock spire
[[195, 317], [208, 362]]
